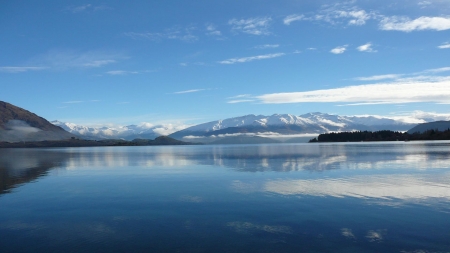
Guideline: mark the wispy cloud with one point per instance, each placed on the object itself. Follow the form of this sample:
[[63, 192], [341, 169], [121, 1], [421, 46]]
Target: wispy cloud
[[63, 59], [211, 30], [339, 50], [291, 18], [267, 46], [80, 8], [87, 7], [240, 101], [98, 63], [20, 69], [176, 33], [405, 24], [378, 77], [188, 91], [444, 46], [396, 92], [254, 26], [438, 70], [340, 13], [121, 72], [73, 102], [251, 58], [366, 48], [240, 96]]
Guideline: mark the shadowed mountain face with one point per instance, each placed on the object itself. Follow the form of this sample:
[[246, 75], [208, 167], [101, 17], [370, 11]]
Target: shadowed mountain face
[[437, 125], [17, 124]]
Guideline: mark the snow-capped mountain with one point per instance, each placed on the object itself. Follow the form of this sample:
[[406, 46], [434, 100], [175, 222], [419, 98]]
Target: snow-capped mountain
[[287, 124], [142, 131], [283, 126]]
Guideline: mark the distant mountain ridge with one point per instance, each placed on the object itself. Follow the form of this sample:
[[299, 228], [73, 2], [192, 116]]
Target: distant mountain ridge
[[249, 125], [437, 125], [288, 124], [18, 124], [130, 132]]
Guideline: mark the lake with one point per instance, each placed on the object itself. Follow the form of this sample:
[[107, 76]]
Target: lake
[[346, 197]]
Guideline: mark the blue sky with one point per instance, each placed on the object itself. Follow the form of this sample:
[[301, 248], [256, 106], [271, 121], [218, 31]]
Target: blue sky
[[188, 62]]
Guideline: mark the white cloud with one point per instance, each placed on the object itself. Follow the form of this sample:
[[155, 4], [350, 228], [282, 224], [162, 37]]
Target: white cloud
[[98, 63], [20, 69], [240, 96], [444, 46], [167, 129], [424, 3], [405, 24], [291, 18], [121, 72], [80, 8], [240, 101], [57, 59], [176, 33], [396, 92], [267, 46], [73, 102], [378, 77], [87, 7], [438, 70], [357, 17], [211, 30], [188, 91], [339, 50], [366, 48], [339, 13], [251, 58], [254, 26]]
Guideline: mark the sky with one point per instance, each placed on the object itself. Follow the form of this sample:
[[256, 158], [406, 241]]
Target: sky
[[189, 62]]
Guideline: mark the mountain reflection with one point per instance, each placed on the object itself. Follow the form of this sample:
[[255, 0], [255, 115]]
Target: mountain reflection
[[19, 166], [372, 170]]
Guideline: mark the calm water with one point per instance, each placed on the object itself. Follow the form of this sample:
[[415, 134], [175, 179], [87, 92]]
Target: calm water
[[377, 197]]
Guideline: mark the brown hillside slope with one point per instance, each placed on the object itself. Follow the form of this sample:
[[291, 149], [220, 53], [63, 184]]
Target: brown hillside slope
[[17, 124]]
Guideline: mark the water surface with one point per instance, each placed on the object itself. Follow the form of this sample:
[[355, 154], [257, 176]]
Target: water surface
[[351, 197]]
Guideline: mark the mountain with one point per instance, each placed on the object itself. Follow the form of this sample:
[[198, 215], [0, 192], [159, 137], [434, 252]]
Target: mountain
[[17, 124], [439, 125], [287, 125], [131, 132], [244, 140]]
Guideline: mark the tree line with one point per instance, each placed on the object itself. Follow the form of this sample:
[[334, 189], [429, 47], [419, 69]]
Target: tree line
[[384, 135]]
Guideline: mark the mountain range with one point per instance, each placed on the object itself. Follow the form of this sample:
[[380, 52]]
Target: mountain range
[[281, 127], [19, 125]]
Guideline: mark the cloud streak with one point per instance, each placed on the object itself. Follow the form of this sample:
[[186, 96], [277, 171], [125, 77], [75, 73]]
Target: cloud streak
[[176, 33], [405, 24], [291, 18], [120, 72], [267, 46], [378, 77], [20, 69], [444, 46], [254, 26], [188, 91], [379, 93], [251, 58]]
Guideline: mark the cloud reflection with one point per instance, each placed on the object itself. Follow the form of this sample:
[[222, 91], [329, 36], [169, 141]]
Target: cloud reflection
[[389, 187]]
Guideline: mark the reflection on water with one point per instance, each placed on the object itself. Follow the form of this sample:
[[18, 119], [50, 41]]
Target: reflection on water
[[22, 166], [357, 197]]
